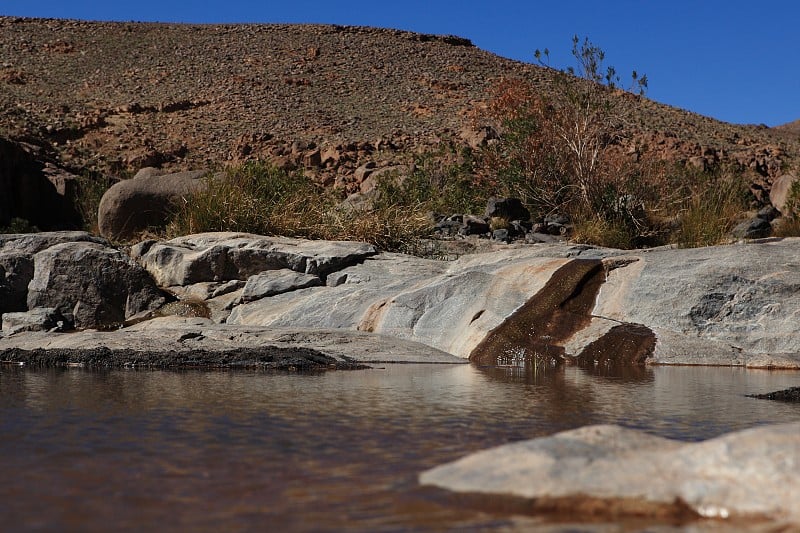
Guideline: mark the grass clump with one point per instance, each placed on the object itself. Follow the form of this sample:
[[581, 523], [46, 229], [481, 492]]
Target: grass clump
[[258, 198]]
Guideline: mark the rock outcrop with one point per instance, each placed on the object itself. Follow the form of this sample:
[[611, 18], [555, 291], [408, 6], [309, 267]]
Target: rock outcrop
[[34, 190], [229, 256], [81, 277], [514, 305], [746, 474], [145, 202]]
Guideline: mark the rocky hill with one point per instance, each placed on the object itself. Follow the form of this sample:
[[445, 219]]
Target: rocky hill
[[116, 97]]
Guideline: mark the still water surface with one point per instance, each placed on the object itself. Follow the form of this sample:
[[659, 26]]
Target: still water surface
[[212, 451]]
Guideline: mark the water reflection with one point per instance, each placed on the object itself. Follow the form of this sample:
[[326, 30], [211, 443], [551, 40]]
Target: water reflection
[[236, 449]]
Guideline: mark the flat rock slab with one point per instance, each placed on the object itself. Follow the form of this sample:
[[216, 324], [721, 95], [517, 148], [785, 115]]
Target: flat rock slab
[[747, 474], [207, 257], [184, 340]]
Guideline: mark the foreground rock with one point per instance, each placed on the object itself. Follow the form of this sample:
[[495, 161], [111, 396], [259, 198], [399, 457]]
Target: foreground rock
[[210, 257], [198, 342], [746, 474], [81, 277], [513, 305]]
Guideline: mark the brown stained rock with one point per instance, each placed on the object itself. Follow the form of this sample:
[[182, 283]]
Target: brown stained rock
[[623, 345], [535, 331]]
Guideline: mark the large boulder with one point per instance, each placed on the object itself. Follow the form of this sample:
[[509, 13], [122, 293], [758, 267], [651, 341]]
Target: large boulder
[[780, 192], [16, 262], [91, 285], [33, 190], [146, 201], [750, 473], [209, 257]]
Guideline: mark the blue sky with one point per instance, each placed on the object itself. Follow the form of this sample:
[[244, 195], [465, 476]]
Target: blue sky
[[733, 60]]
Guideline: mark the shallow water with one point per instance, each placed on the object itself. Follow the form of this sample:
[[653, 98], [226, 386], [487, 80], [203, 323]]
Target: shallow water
[[84, 450]]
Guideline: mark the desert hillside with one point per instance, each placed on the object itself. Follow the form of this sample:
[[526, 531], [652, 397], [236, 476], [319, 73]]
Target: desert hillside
[[115, 97]]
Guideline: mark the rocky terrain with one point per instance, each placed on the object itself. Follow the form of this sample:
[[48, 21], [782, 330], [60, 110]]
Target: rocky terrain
[[117, 97], [341, 103], [235, 300]]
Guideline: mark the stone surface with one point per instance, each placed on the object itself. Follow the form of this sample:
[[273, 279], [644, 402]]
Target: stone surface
[[184, 335], [274, 282], [750, 473], [779, 192], [722, 305], [39, 319], [91, 285], [16, 271], [30, 243], [217, 257], [146, 201]]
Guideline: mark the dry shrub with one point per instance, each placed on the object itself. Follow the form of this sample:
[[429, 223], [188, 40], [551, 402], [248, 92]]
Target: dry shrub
[[257, 198], [710, 210]]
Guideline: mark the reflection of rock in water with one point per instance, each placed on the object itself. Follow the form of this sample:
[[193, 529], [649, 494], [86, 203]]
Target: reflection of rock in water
[[787, 395], [535, 333]]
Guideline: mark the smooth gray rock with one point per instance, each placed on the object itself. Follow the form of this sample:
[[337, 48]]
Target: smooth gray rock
[[30, 243], [91, 285], [146, 201], [274, 282], [209, 257], [39, 319], [750, 473], [722, 305]]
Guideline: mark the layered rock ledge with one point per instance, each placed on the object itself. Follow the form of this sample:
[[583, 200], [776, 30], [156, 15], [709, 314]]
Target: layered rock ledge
[[552, 304]]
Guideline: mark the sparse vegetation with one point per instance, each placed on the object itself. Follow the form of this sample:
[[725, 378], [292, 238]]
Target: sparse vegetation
[[258, 198]]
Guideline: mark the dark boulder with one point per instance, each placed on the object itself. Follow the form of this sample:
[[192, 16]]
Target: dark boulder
[[35, 190], [507, 208], [91, 285]]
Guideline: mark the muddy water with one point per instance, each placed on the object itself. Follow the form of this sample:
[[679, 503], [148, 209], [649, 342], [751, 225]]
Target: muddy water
[[210, 451]]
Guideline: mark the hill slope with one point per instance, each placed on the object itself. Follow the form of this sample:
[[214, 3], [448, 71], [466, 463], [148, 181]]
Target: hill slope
[[118, 96]]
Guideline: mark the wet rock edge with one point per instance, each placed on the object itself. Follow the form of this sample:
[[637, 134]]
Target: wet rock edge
[[262, 357]]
